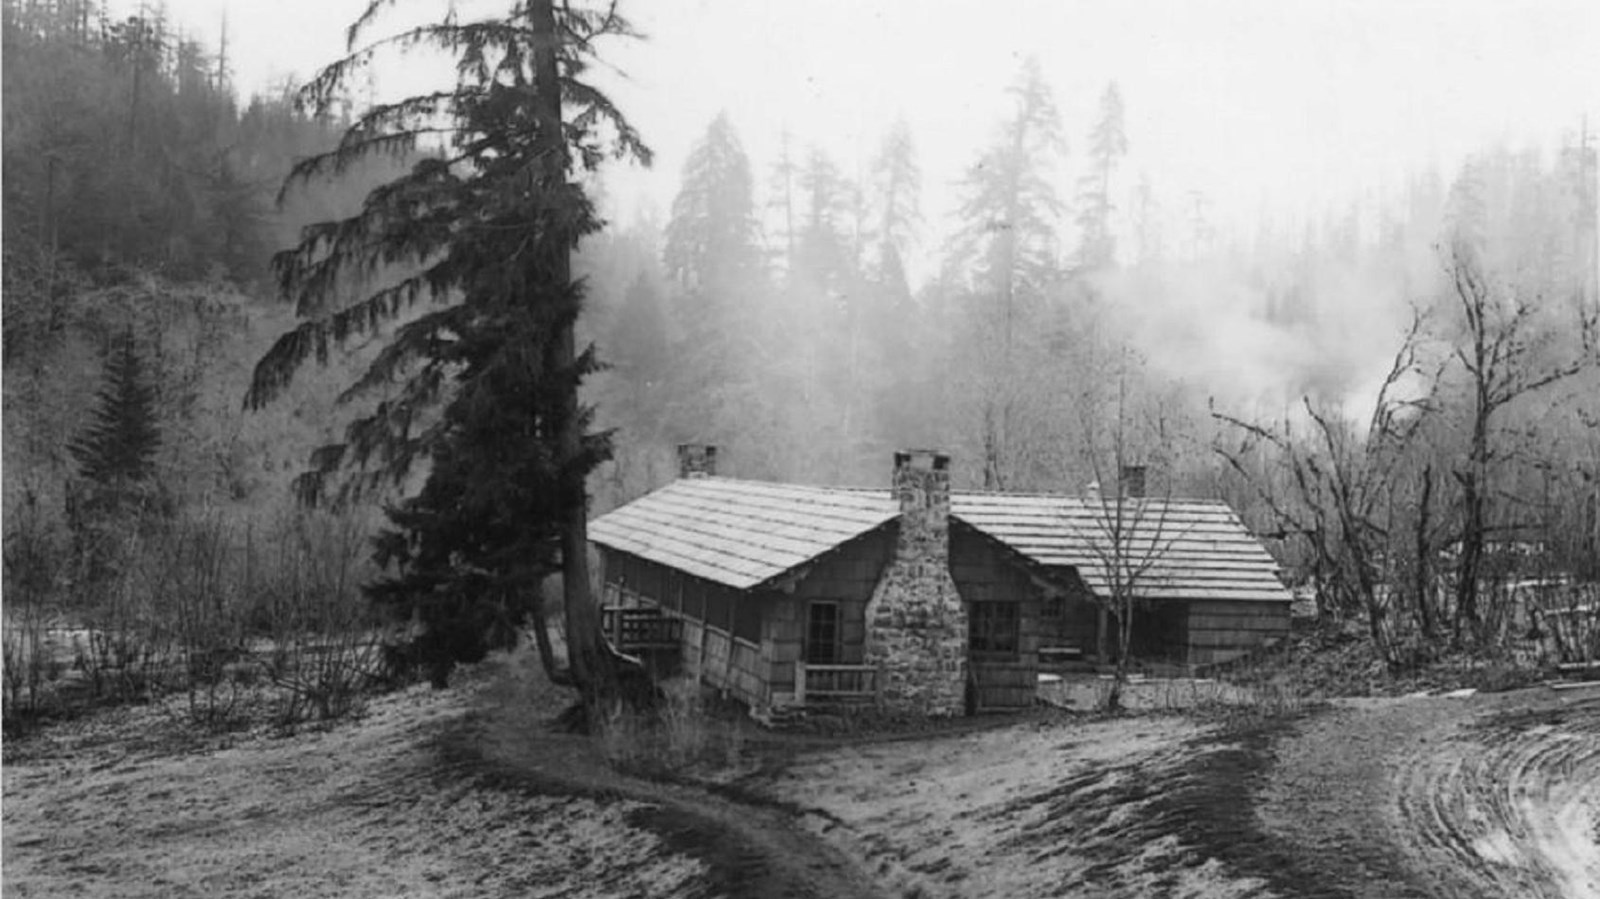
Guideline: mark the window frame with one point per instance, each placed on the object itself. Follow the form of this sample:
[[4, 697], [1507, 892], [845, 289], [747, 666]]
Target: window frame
[[994, 629], [810, 648]]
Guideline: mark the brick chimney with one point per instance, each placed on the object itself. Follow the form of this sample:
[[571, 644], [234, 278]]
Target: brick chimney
[[697, 460], [916, 623], [1131, 482]]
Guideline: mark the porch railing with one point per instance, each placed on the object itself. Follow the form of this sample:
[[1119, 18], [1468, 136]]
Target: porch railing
[[632, 630], [834, 683]]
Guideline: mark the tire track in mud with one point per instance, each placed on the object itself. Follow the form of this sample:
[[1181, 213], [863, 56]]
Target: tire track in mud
[[1480, 796], [1509, 805]]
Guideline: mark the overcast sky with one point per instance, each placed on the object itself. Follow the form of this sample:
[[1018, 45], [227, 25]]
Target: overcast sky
[[1262, 105]]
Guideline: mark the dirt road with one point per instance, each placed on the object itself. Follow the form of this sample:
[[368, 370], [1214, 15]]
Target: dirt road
[[1473, 796], [746, 848], [1486, 796]]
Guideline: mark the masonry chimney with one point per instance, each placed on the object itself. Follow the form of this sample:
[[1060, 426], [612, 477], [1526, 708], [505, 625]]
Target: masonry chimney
[[1131, 481], [916, 623], [697, 460]]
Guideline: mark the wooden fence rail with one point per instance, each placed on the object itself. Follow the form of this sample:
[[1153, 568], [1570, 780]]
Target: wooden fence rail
[[834, 683]]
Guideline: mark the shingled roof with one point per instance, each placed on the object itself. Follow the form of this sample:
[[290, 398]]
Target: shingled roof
[[745, 533], [1173, 548], [740, 533]]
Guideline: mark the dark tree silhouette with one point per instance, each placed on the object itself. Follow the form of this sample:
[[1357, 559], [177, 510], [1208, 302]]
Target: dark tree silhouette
[[485, 224], [116, 453]]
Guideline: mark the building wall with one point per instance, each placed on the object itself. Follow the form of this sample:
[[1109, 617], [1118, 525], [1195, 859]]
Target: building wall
[[983, 574], [1071, 619], [845, 576], [722, 627], [1223, 630], [758, 665]]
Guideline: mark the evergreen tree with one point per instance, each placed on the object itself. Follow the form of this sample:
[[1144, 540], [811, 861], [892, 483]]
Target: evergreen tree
[[825, 260], [1007, 254], [1011, 205], [711, 238], [897, 185], [1097, 247], [781, 183], [639, 343], [489, 225], [713, 259], [116, 453]]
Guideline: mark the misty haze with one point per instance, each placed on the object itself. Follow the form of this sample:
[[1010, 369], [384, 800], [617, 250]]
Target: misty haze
[[711, 448]]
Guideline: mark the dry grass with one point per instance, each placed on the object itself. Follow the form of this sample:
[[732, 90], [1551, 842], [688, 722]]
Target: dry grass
[[131, 802], [684, 737]]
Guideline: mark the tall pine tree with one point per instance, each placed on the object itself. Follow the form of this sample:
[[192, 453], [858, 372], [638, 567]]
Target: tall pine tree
[[486, 225]]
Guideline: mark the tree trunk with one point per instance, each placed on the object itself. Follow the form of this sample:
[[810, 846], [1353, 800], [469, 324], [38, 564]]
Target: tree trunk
[[591, 665], [541, 640], [1472, 531], [1423, 570]]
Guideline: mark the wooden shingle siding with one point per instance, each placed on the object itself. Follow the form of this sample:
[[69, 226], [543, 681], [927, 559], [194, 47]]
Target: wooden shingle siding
[[783, 634], [1223, 631], [846, 576], [983, 573]]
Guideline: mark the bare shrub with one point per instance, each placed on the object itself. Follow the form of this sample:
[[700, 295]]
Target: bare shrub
[[679, 736], [234, 617], [326, 642], [32, 558]]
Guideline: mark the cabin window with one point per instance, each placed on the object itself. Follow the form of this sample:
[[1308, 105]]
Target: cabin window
[[993, 628], [822, 633]]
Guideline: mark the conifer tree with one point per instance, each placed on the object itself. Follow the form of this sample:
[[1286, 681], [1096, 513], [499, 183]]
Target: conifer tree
[[116, 453], [1009, 245], [897, 188], [1097, 246], [487, 224], [713, 260]]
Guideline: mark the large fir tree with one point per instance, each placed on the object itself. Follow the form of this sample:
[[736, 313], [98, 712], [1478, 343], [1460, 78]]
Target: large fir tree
[[487, 224]]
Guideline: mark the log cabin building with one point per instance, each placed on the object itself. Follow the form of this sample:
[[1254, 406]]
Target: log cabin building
[[919, 599]]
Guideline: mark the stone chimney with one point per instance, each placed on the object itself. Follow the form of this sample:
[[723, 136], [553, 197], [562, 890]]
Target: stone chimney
[[697, 460], [916, 623], [1131, 482]]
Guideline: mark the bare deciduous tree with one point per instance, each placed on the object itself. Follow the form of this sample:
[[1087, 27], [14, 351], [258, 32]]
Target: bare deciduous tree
[[1506, 354], [1339, 481]]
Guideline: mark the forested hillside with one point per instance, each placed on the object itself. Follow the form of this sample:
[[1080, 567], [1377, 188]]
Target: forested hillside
[[141, 204]]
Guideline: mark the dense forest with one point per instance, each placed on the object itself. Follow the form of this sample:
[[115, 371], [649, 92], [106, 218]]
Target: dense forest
[[1400, 387]]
